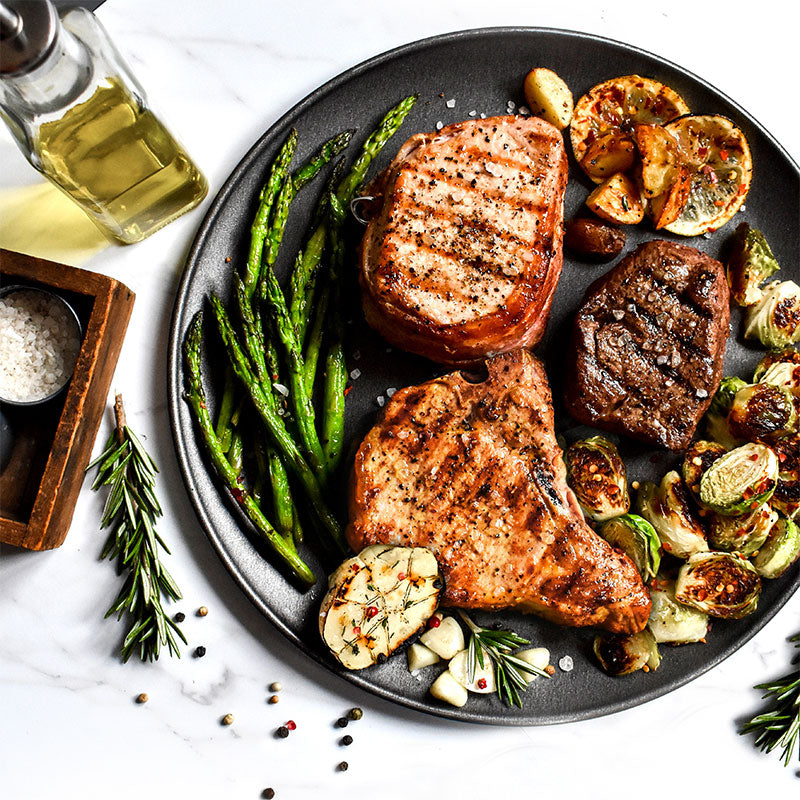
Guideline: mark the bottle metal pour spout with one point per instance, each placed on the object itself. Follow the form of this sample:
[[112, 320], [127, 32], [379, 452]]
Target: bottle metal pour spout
[[81, 118]]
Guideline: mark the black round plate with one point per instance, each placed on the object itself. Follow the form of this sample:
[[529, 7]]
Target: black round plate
[[482, 70]]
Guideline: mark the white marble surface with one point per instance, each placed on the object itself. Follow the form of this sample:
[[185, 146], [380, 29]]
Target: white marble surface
[[222, 73]]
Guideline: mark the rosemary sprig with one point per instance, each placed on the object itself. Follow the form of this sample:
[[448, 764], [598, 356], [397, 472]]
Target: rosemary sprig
[[508, 669], [779, 726], [131, 510]]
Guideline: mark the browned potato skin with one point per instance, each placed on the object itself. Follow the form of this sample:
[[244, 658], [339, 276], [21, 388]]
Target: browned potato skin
[[593, 239], [618, 200], [667, 207], [611, 153]]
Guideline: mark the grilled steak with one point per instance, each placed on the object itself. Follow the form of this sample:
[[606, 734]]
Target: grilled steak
[[473, 471], [462, 259], [648, 345]]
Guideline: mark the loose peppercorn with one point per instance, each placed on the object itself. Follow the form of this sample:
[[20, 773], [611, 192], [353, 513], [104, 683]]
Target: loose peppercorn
[[199, 651], [268, 793], [274, 699], [282, 732], [142, 698], [202, 611], [180, 616], [275, 687], [227, 719], [341, 722], [343, 765], [291, 725], [355, 713], [347, 740]]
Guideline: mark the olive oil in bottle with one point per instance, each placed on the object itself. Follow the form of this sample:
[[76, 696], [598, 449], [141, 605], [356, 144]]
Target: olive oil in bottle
[[120, 163], [82, 119]]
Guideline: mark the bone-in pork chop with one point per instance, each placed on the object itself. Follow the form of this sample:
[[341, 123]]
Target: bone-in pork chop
[[462, 258], [473, 471]]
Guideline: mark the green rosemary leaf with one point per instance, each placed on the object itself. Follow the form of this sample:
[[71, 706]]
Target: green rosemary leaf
[[130, 510]]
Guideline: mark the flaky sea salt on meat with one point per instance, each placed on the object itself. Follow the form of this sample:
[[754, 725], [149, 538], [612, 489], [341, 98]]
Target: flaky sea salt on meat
[[39, 345]]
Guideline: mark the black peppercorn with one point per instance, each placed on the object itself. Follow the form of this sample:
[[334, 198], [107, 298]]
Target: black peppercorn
[[180, 616], [341, 722], [268, 793], [355, 713], [343, 765], [282, 732], [199, 651], [347, 740]]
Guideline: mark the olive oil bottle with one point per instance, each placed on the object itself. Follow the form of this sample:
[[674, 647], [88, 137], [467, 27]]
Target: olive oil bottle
[[83, 121]]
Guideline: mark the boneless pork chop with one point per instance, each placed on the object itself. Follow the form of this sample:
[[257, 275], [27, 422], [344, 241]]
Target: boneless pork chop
[[463, 256], [648, 345], [473, 471]]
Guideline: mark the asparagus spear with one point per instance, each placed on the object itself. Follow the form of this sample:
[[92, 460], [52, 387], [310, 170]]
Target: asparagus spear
[[274, 425], [195, 396]]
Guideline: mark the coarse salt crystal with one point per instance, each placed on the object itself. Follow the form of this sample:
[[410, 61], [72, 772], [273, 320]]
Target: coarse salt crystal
[[279, 387], [451, 103], [439, 125], [473, 112], [524, 110], [511, 105], [380, 400], [390, 391], [355, 374], [566, 664], [356, 354]]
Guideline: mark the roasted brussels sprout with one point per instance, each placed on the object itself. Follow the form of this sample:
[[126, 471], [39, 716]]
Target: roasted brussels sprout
[[750, 263], [697, 459], [743, 535], [717, 415], [775, 319], [621, 654], [789, 355], [668, 509], [723, 585], [762, 412], [780, 551], [596, 474], [636, 537], [672, 622], [740, 481], [787, 493]]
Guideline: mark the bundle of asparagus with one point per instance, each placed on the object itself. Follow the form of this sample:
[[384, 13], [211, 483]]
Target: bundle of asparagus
[[273, 348]]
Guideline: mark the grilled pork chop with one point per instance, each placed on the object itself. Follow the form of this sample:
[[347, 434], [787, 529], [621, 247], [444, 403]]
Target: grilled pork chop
[[465, 253], [648, 345], [473, 471]]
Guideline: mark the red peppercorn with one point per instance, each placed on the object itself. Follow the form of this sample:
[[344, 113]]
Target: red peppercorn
[[291, 724], [482, 683], [401, 576], [371, 612], [434, 622]]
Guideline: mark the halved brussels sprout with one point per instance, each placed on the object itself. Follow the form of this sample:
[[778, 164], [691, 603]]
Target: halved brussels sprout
[[762, 412], [636, 537], [596, 474], [668, 510], [723, 585], [621, 654], [672, 622], [789, 355], [780, 551], [740, 481], [750, 263], [743, 535], [775, 319], [787, 493], [717, 415], [697, 459]]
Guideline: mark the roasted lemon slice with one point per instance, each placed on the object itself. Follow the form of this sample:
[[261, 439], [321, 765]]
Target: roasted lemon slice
[[721, 168], [613, 107], [378, 600]]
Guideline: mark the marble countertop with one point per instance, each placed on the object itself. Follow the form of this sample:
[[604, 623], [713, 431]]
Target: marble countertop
[[70, 724]]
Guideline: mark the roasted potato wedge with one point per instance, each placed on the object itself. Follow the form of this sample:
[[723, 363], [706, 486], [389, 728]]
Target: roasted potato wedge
[[660, 159], [608, 154], [619, 103], [376, 601], [548, 97], [617, 200], [667, 207], [593, 239], [721, 168]]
